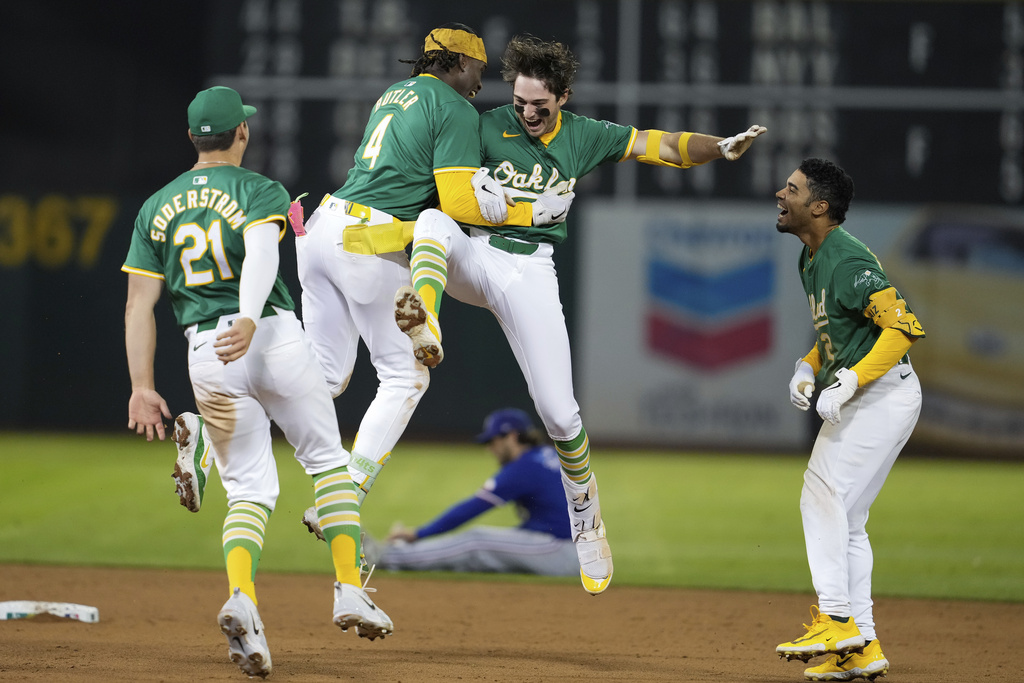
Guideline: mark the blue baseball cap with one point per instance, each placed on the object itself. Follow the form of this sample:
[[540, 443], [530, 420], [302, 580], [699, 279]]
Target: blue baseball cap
[[502, 422]]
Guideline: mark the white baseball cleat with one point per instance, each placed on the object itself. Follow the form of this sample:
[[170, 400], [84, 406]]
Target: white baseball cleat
[[195, 460], [595, 560], [312, 522], [415, 320], [247, 641], [353, 607], [589, 535]]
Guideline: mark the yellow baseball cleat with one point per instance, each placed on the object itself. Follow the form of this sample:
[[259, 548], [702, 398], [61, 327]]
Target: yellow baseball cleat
[[869, 664], [595, 586], [824, 636], [595, 560]]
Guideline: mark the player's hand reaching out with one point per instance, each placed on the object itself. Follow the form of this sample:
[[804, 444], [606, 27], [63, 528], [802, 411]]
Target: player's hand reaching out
[[146, 410], [832, 398], [734, 147], [234, 342]]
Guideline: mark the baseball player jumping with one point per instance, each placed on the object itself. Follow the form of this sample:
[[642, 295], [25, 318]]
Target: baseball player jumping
[[211, 237], [533, 150], [870, 403], [419, 149]]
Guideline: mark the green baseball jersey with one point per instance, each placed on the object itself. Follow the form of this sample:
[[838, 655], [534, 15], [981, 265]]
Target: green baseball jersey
[[839, 281], [525, 164], [190, 235], [417, 127]]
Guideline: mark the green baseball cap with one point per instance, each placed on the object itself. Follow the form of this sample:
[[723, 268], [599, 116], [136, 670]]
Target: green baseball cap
[[216, 110]]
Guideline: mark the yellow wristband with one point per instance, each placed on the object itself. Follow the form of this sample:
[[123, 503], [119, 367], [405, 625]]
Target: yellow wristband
[[684, 153]]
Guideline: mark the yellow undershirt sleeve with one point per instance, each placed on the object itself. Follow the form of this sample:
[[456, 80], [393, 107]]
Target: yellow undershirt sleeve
[[455, 190], [890, 346]]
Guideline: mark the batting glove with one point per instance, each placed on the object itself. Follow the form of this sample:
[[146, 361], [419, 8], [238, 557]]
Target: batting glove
[[832, 398], [489, 197], [801, 387], [734, 147], [552, 208], [296, 217]]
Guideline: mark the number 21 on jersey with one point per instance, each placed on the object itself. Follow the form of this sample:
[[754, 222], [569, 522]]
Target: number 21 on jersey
[[202, 240]]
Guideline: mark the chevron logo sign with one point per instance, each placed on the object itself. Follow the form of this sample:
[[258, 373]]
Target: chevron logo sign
[[709, 293]]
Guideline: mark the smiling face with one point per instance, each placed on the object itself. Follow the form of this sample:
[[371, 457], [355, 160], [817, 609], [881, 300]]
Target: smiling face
[[796, 209], [469, 81], [536, 107]]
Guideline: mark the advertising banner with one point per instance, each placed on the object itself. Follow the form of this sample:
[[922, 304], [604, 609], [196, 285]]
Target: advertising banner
[[692, 317]]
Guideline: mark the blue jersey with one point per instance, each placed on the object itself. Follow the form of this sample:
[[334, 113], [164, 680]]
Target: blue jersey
[[533, 483]]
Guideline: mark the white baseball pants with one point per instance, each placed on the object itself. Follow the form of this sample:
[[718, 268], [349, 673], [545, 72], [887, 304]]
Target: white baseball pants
[[848, 466], [277, 379], [521, 290], [347, 296]]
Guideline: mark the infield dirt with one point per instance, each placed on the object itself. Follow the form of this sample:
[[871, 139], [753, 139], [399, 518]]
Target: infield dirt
[[161, 626]]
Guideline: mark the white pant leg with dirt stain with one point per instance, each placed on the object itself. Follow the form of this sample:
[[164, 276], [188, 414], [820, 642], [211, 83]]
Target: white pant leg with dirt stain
[[277, 379], [346, 296]]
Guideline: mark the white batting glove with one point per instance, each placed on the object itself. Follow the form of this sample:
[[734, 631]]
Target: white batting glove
[[489, 197], [801, 387], [833, 397], [552, 208], [734, 147]]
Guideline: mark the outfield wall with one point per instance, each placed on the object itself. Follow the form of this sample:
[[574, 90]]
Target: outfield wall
[[94, 122]]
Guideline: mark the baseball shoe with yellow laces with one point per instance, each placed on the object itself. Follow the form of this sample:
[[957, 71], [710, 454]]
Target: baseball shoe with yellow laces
[[824, 636]]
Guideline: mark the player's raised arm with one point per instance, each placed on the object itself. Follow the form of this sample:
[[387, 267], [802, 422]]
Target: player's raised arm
[[683, 149]]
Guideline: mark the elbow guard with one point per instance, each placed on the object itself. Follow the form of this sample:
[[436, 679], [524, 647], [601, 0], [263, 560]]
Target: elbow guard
[[888, 311]]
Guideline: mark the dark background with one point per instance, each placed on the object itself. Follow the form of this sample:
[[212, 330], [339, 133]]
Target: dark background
[[93, 121]]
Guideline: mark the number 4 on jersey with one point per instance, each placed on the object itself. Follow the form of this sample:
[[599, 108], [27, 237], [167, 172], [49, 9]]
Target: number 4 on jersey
[[373, 145]]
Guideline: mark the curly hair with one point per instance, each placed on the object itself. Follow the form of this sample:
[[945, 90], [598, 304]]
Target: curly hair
[[438, 60], [827, 181], [551, 63]]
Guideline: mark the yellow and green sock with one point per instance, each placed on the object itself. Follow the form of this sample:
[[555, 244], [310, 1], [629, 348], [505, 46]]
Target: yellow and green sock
[[245, 527], [574, 455], [337, 510], [429, 265]]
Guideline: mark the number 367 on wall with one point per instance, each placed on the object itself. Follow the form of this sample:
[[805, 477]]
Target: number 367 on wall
[[54, 232]]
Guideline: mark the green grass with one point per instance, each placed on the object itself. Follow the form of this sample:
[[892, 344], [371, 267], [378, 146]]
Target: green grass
[[946, 529]]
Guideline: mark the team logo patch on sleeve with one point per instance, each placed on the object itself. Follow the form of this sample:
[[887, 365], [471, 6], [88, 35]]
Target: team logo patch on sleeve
[[870, 278]]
